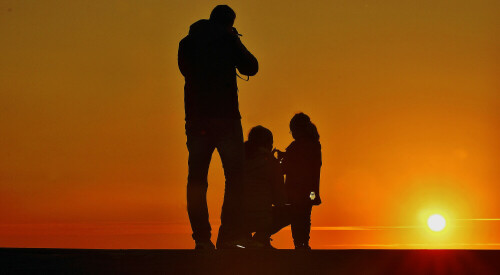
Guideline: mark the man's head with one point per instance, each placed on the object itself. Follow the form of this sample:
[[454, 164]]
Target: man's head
[[224, 15]]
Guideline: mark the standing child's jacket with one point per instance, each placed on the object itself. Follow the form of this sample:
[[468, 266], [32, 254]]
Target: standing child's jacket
[[302, 165]]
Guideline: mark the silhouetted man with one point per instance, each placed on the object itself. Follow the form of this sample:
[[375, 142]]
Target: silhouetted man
[[208, 57]]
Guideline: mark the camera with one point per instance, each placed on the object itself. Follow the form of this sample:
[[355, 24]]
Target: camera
[[235, 31]]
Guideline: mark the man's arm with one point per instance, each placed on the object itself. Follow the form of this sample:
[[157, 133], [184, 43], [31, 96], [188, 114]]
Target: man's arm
[[246, 63]]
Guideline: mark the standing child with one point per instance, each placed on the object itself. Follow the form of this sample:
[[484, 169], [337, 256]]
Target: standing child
[[301, 164]]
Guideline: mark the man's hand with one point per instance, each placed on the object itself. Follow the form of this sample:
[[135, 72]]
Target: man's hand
[[234, 31]]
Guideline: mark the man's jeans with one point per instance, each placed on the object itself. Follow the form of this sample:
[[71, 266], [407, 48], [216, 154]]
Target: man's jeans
[[203, 137]]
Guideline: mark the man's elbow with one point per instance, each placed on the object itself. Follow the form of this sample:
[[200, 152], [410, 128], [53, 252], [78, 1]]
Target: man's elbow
[[249, 69], [255, 69]]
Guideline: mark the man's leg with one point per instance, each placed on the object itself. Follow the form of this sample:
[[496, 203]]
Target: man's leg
[[200, 153], [231, 150]]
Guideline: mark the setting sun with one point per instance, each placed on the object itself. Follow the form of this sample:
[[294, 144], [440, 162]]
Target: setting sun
[[436, 222]]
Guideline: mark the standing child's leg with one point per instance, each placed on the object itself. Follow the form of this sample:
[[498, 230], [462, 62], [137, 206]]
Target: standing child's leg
[[301, 225]]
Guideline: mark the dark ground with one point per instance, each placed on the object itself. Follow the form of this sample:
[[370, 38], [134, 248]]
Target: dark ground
[[100, 261]]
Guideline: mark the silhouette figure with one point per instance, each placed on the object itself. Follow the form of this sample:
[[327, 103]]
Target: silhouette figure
[[301, 164], [208, 57], [264, 184]]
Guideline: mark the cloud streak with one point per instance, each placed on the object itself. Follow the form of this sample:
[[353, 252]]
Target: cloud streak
[[485, 219], [361, 228], [422, 245]]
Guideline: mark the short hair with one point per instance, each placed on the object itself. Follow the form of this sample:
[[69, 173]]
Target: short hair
[[223, 14], [260, 136]]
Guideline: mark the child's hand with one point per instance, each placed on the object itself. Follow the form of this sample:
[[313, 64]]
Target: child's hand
[[280, 155]]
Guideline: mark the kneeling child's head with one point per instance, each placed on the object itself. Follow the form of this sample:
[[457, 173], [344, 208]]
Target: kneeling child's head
[[260, 136]]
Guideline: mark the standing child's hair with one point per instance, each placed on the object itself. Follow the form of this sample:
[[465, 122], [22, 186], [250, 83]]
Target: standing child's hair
[[302, 127]]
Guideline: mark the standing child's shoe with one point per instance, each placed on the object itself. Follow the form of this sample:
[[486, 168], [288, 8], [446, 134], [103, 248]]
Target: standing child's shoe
[[204, 245], [303, 246]]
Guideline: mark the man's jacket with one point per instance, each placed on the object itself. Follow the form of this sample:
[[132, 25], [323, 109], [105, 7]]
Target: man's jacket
[[208, 57]]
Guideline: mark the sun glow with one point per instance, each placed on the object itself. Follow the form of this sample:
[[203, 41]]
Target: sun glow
[[436, 222]]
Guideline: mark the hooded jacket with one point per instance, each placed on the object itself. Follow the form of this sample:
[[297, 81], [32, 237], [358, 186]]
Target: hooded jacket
[[263, 187], [208, 57]]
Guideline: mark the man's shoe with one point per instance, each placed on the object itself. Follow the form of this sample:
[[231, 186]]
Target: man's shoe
[[204, 245]]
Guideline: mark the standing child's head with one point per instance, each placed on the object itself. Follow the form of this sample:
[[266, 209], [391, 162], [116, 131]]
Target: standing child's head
[[302, 127], [260, 136]]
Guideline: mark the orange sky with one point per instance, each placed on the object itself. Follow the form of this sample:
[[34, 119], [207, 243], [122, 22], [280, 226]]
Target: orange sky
[[406, 97]]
